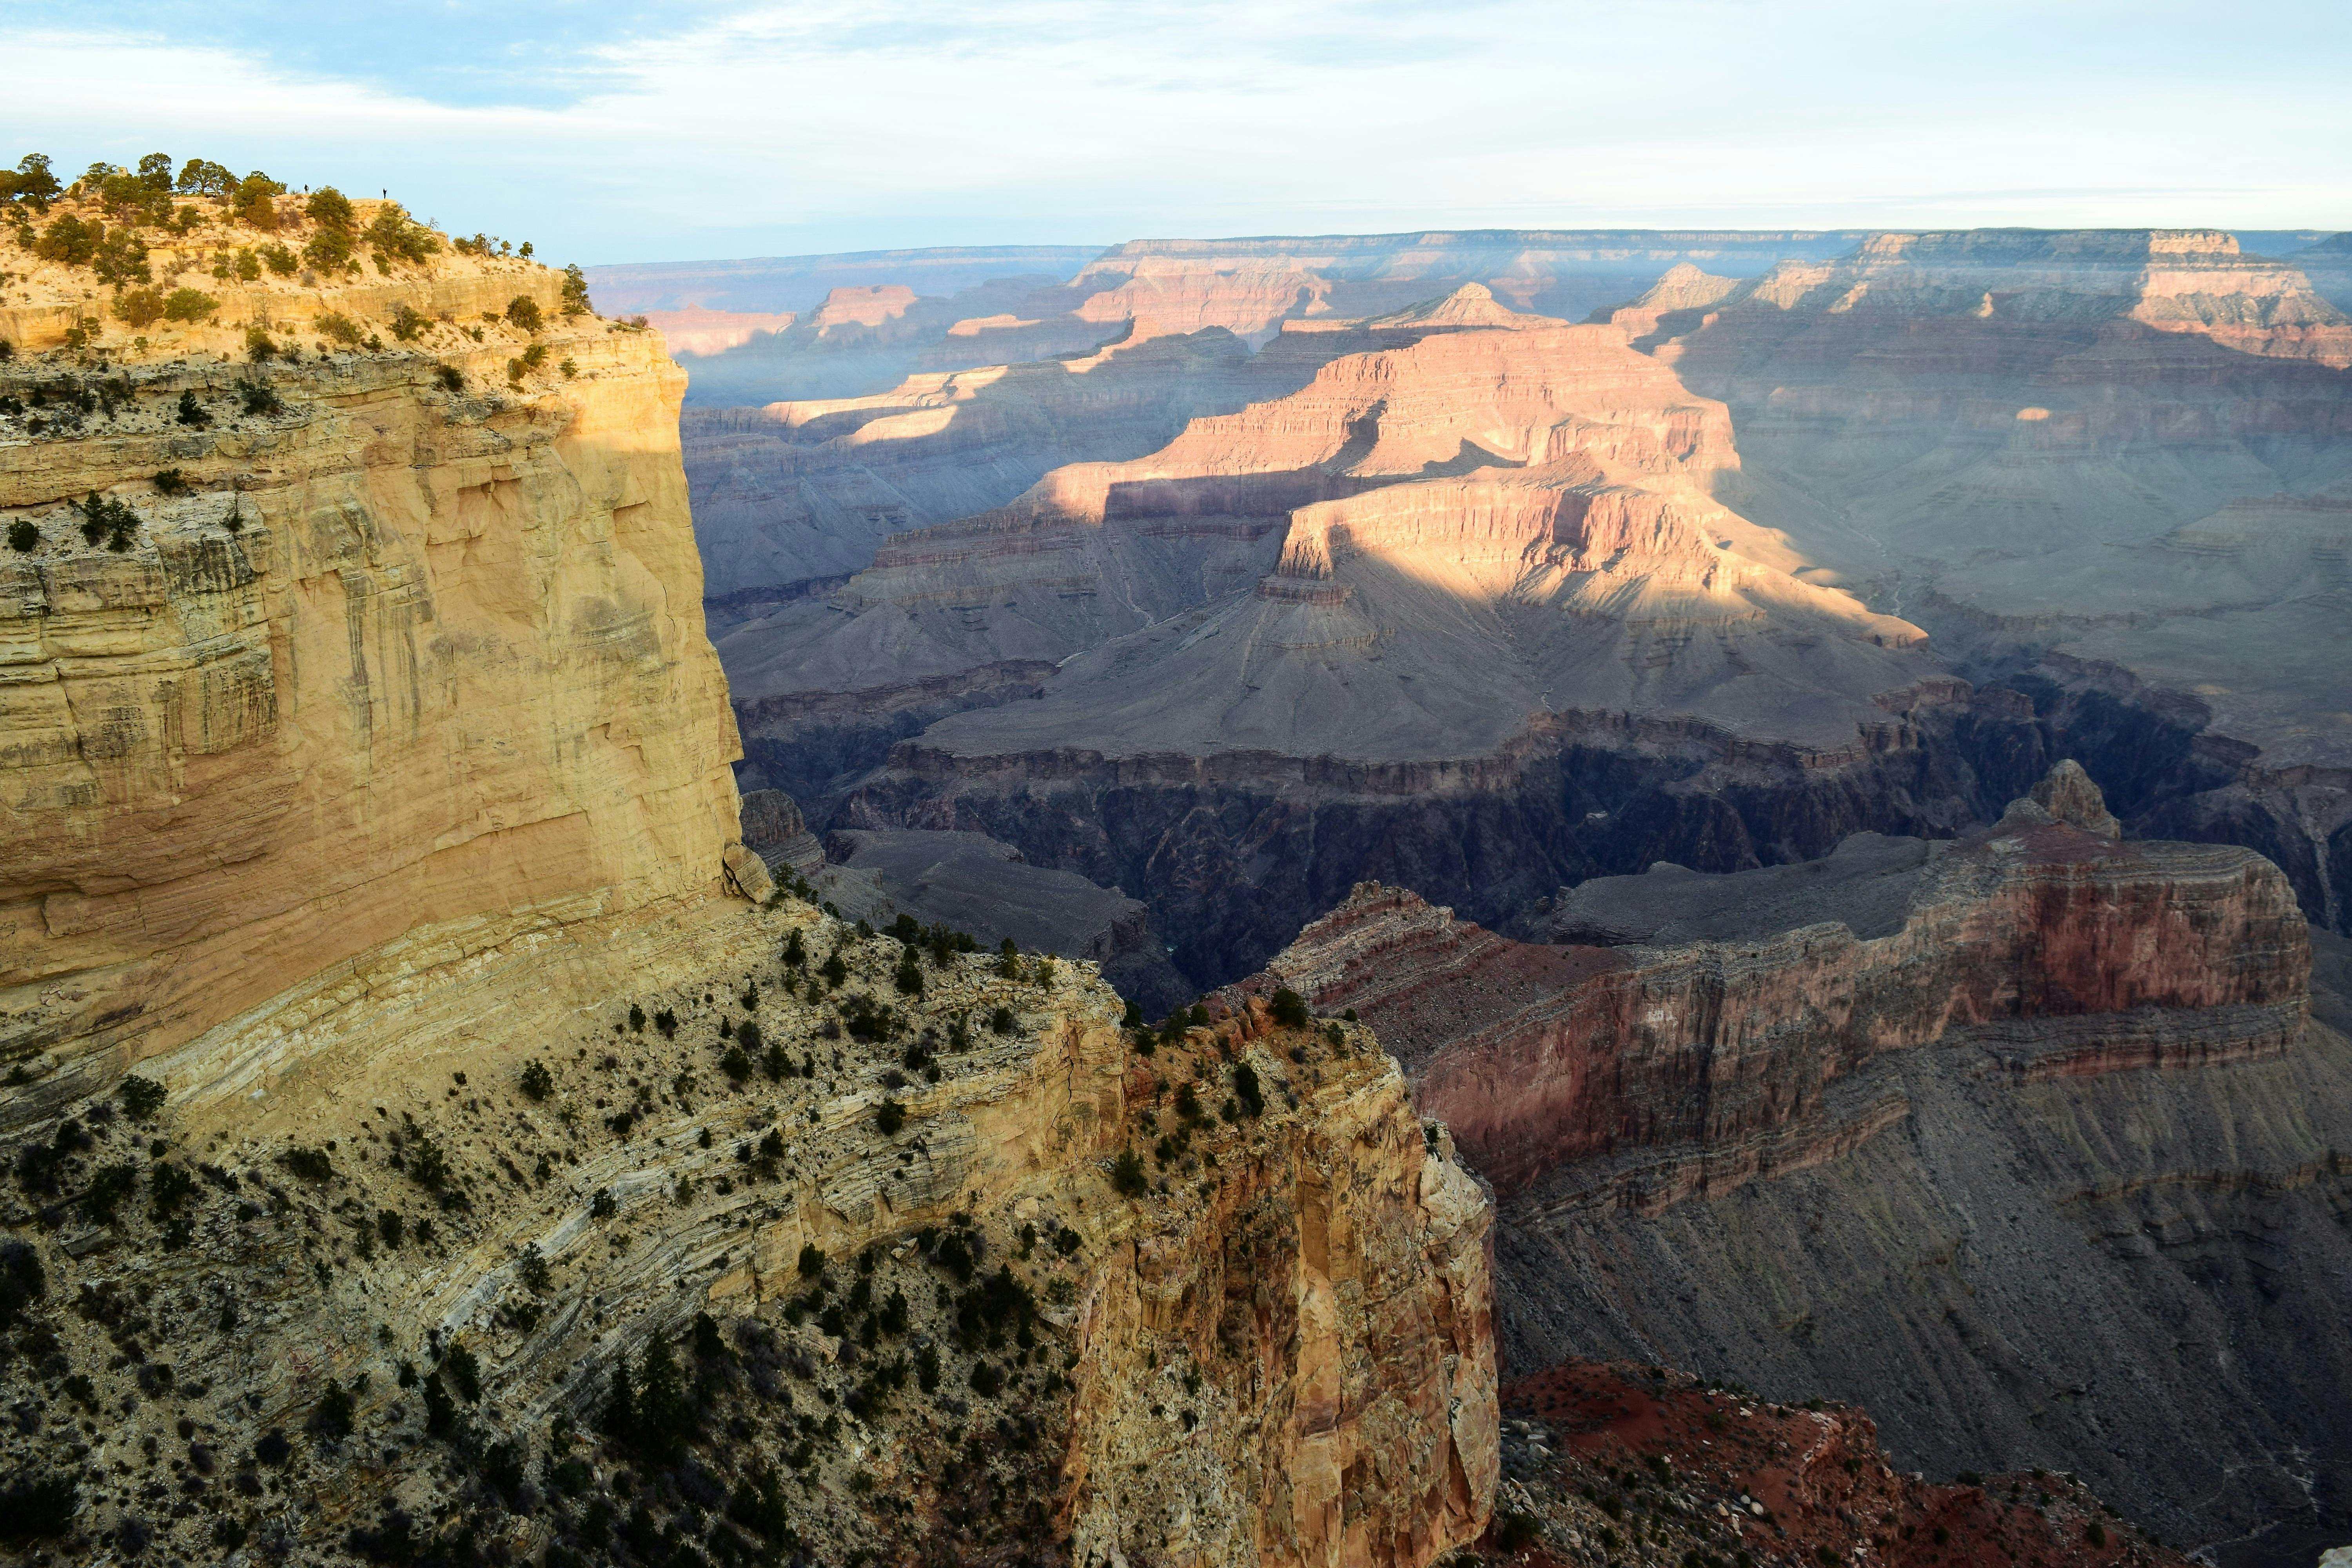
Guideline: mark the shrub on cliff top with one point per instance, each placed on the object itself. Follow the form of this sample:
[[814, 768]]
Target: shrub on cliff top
[[255, 201], [394, 234], [330, 208]]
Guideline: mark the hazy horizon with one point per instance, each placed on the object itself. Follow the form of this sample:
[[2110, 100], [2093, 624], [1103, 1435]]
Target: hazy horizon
[[615, 134]]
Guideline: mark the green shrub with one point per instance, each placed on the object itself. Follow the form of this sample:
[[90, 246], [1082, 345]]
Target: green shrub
[[255, 202], [171, 482], [277, 258], [463, 1372], [1127, 1177], [334, 1418], [189, 307], [329, 209], [23, 537], [451, 378], [409, 323], [891, 1117], [537, 1083], [338, 328], [1289, 1008], [523, 311], [120, 259], [192, 412], [735, 1064], [1245, 1089], [70, 240], [1515, 1531], [575, 291], [139, 307], [169, 1187], [310, 1164], [394, 234], [108, 1185], [142, 1097]]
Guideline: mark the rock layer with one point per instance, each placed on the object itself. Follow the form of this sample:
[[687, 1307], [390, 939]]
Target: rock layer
[[1998, 1160], [1730, 1048], [387, 654]]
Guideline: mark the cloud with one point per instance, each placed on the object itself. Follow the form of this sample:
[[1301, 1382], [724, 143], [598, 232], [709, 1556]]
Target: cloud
[[618, 133]]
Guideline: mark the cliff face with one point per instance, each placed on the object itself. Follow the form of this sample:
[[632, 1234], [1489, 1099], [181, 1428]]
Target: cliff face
[[1279, 1353], [493, 1183], [2000, 1158], [378, 654], [2191, 953]]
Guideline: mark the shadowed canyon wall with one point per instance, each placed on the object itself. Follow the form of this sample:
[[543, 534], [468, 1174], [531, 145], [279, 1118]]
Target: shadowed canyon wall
[[2043, 1156]]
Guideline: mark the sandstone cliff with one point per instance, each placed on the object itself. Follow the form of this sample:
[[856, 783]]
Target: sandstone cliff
[[392, 638], [504, 1171]]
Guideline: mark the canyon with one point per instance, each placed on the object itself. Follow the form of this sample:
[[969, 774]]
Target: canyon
[[2033, 1138], [578, 926], [2142, 428]]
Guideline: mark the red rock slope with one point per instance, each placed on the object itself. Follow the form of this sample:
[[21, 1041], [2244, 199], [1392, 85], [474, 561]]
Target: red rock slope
[[1542, 1057], [1611, 1462]]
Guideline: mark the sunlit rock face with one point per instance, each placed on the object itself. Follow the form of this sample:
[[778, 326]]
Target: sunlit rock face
[[386, 647]]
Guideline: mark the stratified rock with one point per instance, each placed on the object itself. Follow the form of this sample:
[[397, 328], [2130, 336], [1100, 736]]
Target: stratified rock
[[405, 643], [2050, 1101], [507, 1174], [2186, 954], [2109, 463]]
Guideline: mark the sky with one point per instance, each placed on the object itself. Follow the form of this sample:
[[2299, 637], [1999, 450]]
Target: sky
[[616, 133]]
